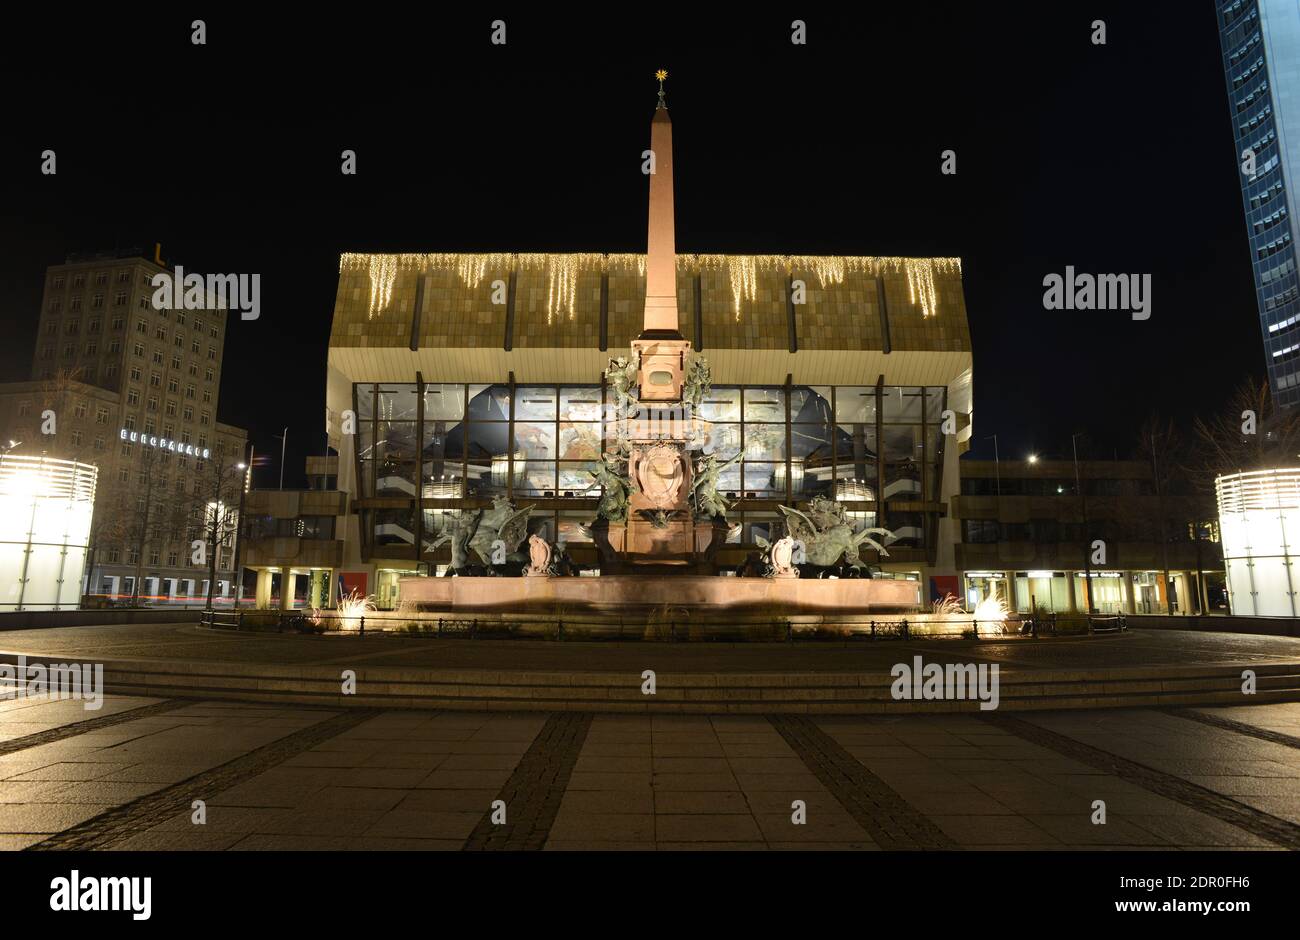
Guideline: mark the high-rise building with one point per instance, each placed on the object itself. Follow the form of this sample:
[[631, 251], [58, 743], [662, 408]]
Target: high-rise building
[[1261, 58], [132, 389]]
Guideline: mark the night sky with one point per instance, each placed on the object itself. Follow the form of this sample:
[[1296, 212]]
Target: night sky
[[1115, 158]]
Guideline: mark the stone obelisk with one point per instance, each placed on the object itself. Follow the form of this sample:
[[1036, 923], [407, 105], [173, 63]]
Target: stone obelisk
[[660, 527], [660, 347]]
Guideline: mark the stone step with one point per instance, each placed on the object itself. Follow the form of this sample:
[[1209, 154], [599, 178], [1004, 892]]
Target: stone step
[[1019, 689]]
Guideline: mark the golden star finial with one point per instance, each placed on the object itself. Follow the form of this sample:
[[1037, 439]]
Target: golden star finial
[[661, 74]]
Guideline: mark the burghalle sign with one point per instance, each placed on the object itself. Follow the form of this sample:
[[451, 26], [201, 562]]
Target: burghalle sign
[[165, 444]]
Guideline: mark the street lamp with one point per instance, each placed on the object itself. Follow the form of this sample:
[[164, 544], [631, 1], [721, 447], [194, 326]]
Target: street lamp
[[238, 575], [1033, 458], [997, 464]]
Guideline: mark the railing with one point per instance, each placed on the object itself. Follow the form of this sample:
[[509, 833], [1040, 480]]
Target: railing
[[666, 628]]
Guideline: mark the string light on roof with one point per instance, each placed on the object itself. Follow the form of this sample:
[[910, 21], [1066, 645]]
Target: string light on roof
[[563, 270]]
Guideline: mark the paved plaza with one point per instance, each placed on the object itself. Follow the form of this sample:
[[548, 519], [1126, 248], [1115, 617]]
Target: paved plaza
[[127, 776]]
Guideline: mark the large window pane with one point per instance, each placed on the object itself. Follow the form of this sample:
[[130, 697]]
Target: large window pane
[[935, 402], [536, 439], [855, 404], [396, 462], [365, 401], [901, 404], [572, 523], [394, 526], [934, 457], [579, 440], [538, 478], [580, 403], [760, 479], [810, 404], [575, 477], [723, 404], [902, 463], [397, 402], [764, 441], [444, 402], [535, 403], [856, 452], [489, 402], [722, 440], [765, 403], [489, 450]]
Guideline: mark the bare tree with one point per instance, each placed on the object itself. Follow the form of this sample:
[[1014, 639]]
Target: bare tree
[[219, 486], [1249, 433]]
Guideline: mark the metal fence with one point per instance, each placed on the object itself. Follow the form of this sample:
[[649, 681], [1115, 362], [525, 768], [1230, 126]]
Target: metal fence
[[666, 628]]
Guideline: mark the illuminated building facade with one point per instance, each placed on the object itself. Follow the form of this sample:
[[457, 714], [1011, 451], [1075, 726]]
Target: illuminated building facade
[[1025, 530]]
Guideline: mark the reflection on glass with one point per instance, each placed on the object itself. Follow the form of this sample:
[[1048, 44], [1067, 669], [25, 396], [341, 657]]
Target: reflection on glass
[[489, 402], [764, 441], [571, 526], [855, 403], [580, 403], [856, 491], [395, 459], [535, 402], [444, 402], [935, 401], [579, 440], [502, 466], [765, 403], [365, 401], [902, 463], [394, 526], [538, 479], [723, 404], [397, 403], [575, 478], [722, 440], [856, 452], [901, 404], [810, 404], [760, 478], [535, 439]]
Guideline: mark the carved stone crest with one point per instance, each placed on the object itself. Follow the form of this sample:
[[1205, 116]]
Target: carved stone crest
[[539, 557], [659, 473]]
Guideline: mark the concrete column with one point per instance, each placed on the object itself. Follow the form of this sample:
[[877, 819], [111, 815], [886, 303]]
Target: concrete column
[[1070, 592], [286, 589], [262, 600]]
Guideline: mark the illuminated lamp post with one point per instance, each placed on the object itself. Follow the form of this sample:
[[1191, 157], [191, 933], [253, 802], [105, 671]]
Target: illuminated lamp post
[[1259, 527], [46, 506]]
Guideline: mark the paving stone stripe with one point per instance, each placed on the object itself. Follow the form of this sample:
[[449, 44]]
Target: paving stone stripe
[[130, 819], [1239, 727], [71, 730], [534, 790], [878, 808], [1278, 831]]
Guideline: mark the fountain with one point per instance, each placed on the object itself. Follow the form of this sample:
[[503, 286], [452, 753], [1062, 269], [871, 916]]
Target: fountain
[[661, 519]]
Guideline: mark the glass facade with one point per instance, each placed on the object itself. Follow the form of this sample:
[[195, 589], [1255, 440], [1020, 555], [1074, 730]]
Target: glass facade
[[1261, 59], [424, 451]]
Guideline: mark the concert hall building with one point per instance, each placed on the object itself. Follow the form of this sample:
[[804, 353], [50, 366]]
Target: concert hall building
[[457, 378]]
